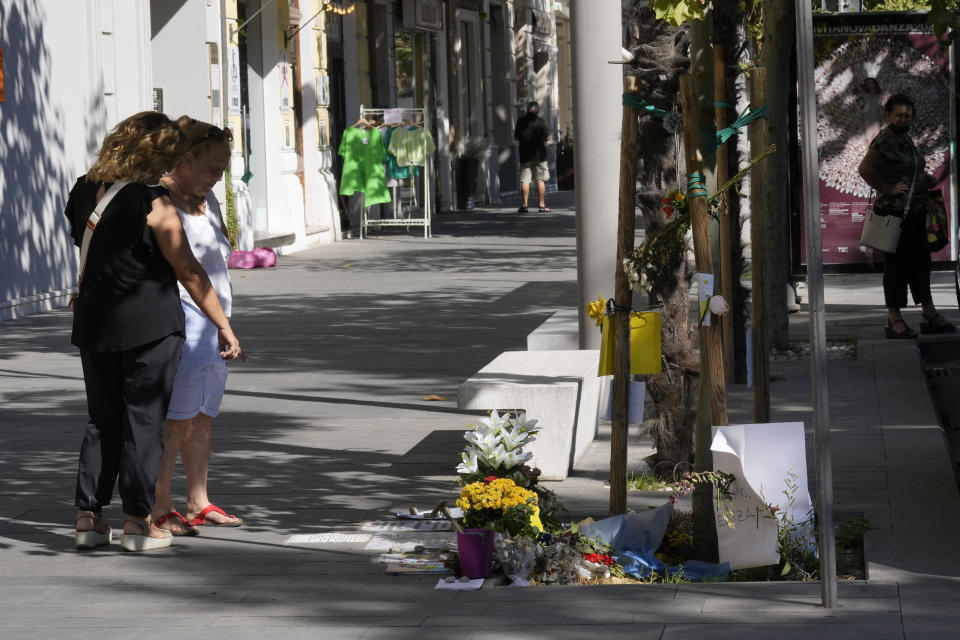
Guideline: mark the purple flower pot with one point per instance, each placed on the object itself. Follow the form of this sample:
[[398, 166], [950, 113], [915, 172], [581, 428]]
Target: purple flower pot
[[475, 548]]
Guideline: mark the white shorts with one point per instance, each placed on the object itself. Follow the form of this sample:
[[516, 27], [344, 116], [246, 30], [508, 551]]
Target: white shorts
[[528, 169], [202, 374]]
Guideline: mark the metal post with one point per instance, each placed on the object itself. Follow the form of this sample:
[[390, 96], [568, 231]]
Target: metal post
[[818, 341], [597, 115]]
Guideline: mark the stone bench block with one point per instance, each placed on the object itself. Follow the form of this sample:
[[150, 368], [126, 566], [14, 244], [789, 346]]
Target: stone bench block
[[560, 389], [559, 332]]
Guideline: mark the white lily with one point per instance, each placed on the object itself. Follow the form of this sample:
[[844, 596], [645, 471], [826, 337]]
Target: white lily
[[469, 458], [515, 459], [485, 442], [496, 456], [494, 423], [523, 424], [515, 438]]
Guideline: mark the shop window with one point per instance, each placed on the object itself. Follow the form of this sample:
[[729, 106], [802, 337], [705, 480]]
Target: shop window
[[406, 70]]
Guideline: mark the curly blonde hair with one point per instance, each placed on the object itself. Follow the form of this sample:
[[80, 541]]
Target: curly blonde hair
[[139, 149], [203, 137]]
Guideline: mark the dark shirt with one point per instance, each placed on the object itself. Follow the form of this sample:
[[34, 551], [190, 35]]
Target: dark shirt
[[129, 295], [531, 132], [900, 162]]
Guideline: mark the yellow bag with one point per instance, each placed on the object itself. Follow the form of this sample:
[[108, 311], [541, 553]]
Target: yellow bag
[[644, 344]]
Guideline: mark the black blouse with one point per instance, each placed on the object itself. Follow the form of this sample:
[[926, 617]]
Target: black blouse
[[129, 293]]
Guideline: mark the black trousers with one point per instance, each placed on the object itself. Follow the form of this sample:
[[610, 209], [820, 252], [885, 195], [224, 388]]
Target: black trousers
[[127, 397], [910, 265]]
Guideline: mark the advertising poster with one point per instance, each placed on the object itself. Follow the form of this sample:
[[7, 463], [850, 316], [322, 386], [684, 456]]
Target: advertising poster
[[860, 64]]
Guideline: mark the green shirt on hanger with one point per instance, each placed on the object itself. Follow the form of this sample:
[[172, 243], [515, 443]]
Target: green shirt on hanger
[[411, 146], [363, 156]]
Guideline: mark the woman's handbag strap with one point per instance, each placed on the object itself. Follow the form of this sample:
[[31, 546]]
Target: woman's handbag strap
[[913, 182], [92, 222]]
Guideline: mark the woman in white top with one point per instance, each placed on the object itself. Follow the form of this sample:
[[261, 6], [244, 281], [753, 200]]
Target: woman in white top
[[202, 374]]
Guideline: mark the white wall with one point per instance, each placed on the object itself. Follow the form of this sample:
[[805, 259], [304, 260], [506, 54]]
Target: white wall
[[322, 218], [180, 57], [71, 73]]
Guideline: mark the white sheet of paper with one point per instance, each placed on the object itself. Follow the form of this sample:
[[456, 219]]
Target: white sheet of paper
[[459, 586], [762, 457], [328, 537], [408, 541], [406, 525], [425, 514], [704, 293], [392, 116]]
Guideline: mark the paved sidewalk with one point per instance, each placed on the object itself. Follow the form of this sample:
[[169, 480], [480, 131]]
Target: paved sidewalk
[[327, 427]]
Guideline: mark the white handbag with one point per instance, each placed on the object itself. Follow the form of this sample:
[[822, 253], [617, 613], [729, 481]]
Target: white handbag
[[883, 232]]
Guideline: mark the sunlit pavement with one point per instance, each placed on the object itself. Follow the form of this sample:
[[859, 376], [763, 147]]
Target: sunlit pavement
[[327, 426]]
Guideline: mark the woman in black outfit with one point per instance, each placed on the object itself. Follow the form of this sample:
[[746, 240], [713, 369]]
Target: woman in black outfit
[[895, 168], [129, 324]]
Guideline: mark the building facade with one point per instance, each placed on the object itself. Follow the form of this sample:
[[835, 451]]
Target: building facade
[[286, 76]]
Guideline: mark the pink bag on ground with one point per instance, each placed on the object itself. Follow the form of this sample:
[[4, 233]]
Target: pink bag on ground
[[264, 256], [242, 260]]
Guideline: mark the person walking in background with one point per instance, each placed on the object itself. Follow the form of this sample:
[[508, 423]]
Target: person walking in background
[[128, 322], [202, 374], [895, 169], [532, 135]]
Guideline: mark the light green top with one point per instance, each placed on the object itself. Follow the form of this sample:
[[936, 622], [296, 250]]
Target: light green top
[[411, 146]]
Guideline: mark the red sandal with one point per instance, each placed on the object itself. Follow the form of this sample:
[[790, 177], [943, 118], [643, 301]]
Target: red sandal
[[189, 529], [201, 519]]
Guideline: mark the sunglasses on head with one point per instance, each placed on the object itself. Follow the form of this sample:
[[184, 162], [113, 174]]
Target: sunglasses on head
[[213, 133]]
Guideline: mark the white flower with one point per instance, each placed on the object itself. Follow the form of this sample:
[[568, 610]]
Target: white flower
[[496, 456], [718, 305], [514, 439], [515, 458], [494, 423], [469, 464], [485, 442], [525, 425]]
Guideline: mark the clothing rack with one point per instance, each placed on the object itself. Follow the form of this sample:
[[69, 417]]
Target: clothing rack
[[418, 117]]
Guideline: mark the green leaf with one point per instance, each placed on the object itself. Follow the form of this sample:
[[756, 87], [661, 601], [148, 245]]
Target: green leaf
[[676, 12], [786, 569]]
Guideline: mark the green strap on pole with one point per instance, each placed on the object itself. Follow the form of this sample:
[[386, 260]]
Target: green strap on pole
[[715, 138], [636, 102], [695, 186]]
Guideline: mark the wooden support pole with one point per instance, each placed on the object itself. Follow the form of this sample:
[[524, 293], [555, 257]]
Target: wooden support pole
[[622, 298], [726, 252], [759, 220], [711, 355]]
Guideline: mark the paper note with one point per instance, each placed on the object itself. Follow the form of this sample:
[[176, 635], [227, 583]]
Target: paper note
[[409, 541], [426, 514], [704, 293], [460, 586], [328, 537], [406, 525], [392, 116], [764, 458]]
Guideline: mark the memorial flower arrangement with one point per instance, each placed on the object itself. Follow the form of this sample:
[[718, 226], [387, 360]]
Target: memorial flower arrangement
[[500, 505], [495, 449]]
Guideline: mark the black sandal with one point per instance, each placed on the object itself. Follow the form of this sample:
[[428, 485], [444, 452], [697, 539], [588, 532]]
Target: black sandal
[[930, 325], [906, 334]]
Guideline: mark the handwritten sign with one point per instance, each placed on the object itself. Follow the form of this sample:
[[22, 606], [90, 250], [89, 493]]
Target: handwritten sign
[[770, 466]]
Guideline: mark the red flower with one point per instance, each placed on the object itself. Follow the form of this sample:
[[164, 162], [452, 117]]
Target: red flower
[[598, 558], [489, 479]]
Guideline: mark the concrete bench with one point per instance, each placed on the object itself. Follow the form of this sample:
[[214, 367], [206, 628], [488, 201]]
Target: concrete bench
[[560, 389], [558, 332]]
